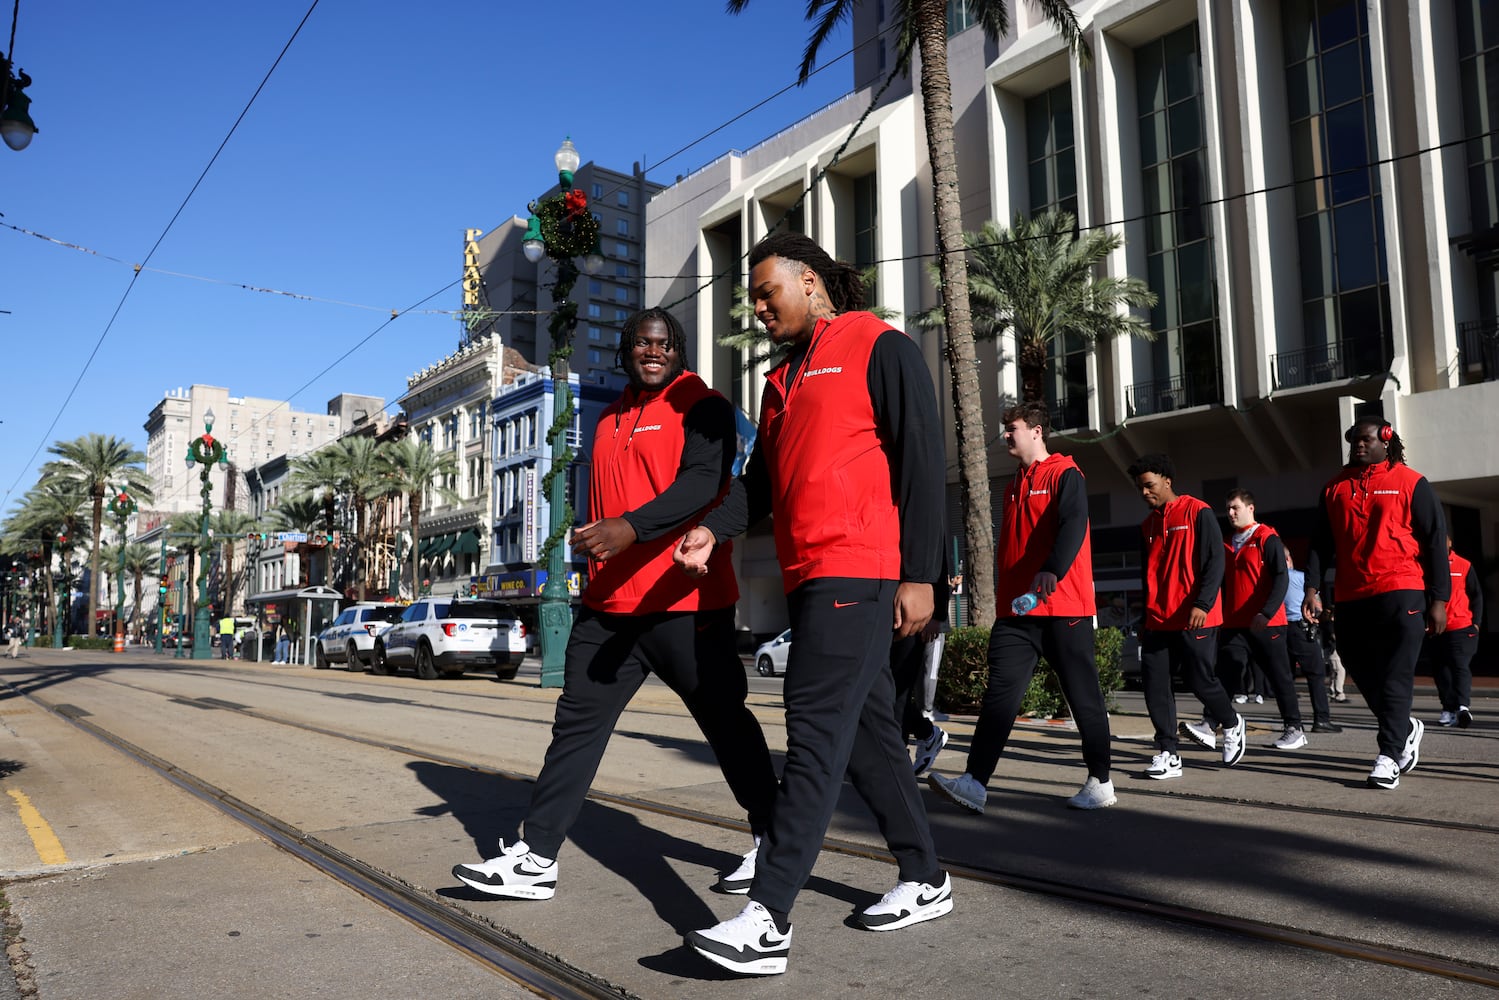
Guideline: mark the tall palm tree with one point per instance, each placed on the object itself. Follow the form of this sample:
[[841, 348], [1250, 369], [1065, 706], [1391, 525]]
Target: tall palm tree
[[415, 467], [141, 561], [923, 28], [1037, 280], [364, 473], [50, 508], [229, 526], [296, 514], [100, 463], [188, 526], [321, 474]]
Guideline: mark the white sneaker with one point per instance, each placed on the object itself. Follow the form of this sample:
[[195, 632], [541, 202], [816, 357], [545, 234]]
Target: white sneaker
[[749, 943], [1202, 733], [928, 749], [1259, 699], [963, 790], [1447, 718], [1164, 765], [909, 903], [1094, 795], [1412, 755], [737, 882], [515, 874], [1291, 739], [1386, 773], [1233, 742], [1240, 699]]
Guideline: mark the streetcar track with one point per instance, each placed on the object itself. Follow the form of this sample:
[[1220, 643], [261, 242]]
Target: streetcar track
[[510, 956]]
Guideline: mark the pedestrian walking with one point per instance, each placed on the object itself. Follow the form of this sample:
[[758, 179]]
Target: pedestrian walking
[[1045, 552], [1379, 526], [1304, 644], [1254, 619], [13, 632], [1181, 562], [1451, 652], [849, 460], [226, 637], [662, 453], [915, 662]]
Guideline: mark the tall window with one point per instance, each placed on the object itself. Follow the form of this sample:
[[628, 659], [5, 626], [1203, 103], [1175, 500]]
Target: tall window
[[1178, 234], [1053, 187], [866, 222], [959, 15], [1478, 54], [1340, 221]]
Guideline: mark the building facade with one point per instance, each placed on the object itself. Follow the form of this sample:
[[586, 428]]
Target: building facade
[[1309, 187]]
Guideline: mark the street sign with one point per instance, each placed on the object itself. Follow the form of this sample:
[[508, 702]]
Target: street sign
[[291, 536]]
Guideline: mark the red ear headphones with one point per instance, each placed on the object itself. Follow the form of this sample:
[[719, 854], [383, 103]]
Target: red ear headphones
[[1386, 432]]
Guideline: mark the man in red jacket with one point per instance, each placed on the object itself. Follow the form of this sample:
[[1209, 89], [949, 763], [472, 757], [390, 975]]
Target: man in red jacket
[[1181, 565], [1451, 653], [849, 459], [1044, 549], [1380, 525], [662, 453], [1254, 619]]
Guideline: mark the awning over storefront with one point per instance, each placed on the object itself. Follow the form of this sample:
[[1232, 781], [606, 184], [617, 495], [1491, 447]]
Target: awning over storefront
[[441, 544], [467, 543]]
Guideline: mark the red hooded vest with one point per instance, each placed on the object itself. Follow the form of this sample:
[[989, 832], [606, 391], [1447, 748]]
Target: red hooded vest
[[1459, 614], [1369, 511], [1171, 568], [1028, 532], [1246, 587]]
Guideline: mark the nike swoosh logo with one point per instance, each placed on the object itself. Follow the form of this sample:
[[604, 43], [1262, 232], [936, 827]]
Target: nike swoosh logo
[[928, 901], [1413, 612], [844, 604], [529, 872], [766, 941], [1275, 635], [1074, 623], [1203, 636]]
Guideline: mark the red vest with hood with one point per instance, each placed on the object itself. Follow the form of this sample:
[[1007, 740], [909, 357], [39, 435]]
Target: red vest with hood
[[1246, 588], [1171, 566], [1028, 532], [1369, 511], [1459, 613]]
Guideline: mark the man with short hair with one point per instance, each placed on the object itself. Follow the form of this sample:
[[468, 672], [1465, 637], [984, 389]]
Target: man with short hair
[[1304, 644], [1044, 549], [662, 453], [226, 637], [1254, 620], [1181, 566], [1380, 526]]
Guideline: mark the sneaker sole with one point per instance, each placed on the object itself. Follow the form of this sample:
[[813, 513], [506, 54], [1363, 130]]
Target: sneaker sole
[[1383, 786], [736, 888], [1184, 730], [507, 891], [1073, 803], [1290, 746], [933, 784], [770, 966], [920, 916], [1164, 775]]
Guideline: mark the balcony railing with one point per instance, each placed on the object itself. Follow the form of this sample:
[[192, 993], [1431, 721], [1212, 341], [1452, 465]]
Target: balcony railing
[[1323, 363], [1478, 350], [1069, 411], [1175, 393]]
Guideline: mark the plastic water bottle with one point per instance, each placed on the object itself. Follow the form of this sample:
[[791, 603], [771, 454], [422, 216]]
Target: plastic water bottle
[[1025, 603]]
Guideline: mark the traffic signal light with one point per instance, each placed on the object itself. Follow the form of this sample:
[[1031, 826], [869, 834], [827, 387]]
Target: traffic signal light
[[161, 589]]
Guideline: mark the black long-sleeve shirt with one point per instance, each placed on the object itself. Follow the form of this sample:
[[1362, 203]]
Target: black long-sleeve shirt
[[707, 460]]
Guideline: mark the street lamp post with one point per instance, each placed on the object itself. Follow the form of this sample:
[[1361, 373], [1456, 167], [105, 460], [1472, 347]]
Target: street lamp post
[[562, 229], [121, 506], [204, 450]]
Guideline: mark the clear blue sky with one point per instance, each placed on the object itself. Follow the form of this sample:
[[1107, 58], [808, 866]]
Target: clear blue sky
[[385, 132]]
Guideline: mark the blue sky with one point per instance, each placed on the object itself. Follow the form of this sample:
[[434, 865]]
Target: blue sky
[[386, 130]]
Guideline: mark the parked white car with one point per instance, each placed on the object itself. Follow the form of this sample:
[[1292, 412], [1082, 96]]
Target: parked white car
[[770, 657], [350, 640], [445, 635]]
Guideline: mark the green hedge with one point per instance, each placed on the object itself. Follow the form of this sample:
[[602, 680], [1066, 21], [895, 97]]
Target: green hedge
[[965, 674], [43, 640]]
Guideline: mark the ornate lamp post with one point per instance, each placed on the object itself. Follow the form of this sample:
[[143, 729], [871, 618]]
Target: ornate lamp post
[[562, 229], [121, 506], [205, 451]]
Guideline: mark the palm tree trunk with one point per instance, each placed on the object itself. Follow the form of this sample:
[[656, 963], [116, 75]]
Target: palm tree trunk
[[962, 359], [416, 564], [50, 608], [135, 610], [361, 554]]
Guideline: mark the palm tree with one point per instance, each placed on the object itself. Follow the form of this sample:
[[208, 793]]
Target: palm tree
[[50, 508], [229, 526], [1037, 280], [188, 526], [364, 472], [320, 474], [296, 514], [923, 27], [415, 467], [100, 463], [141, 561]]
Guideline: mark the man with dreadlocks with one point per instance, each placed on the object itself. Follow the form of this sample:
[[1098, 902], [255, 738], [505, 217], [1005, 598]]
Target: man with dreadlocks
[[850, 462], [662, 453], [1379, 524]]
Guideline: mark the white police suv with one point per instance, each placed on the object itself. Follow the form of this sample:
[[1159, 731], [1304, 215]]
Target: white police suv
[[448, 635]]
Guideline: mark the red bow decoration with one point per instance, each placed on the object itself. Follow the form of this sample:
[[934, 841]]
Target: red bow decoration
[[575, 201], [207, 440]]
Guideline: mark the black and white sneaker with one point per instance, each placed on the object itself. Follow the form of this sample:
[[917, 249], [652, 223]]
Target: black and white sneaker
[[515, 874], [738, 881], [909, 903], [1412, 755], [1464, 717], [749, 944], [1386, 774]]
